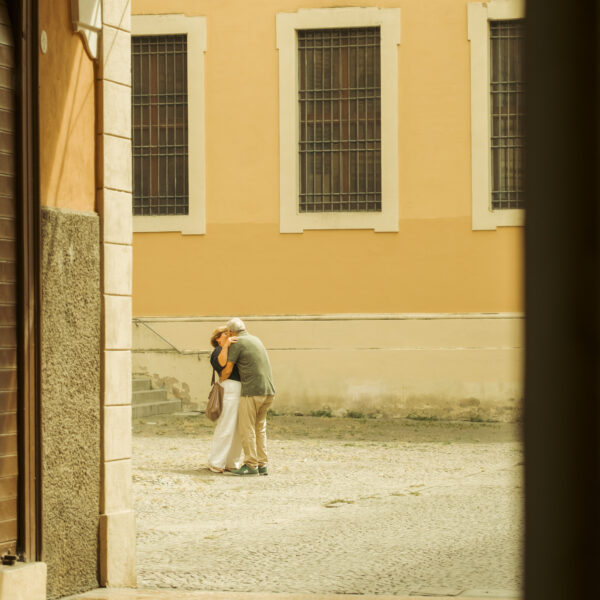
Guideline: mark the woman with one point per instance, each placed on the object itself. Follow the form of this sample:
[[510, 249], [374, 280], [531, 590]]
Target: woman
[[226, 449]]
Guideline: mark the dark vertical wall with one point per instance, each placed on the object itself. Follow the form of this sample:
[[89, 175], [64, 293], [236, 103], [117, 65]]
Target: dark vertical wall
[[9, 286], [562, 391], [70, 391]]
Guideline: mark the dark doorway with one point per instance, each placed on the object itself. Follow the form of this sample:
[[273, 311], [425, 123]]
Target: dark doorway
[[562, 390], [19, 269]]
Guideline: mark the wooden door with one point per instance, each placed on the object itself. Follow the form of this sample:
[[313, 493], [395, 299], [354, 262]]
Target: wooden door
[[9, 459]]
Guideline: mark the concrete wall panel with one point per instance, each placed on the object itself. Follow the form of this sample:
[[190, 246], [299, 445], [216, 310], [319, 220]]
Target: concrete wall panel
[[70, 399], [441, 366]]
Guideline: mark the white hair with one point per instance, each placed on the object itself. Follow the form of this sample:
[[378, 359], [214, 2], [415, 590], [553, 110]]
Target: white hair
[[236, 325]]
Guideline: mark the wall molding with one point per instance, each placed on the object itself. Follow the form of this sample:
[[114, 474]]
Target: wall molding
[[195, 29], [479, 15], [336, 317]]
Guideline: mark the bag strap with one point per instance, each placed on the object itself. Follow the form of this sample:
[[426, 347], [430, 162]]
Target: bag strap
[[212, 381]]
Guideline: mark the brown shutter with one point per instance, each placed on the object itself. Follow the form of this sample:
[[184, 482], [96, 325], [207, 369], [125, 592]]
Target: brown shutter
[[8, 291], [339, 93]]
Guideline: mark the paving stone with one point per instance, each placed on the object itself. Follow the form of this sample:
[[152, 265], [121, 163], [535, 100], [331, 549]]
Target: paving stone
[[333, 517], [147, 594], [490, 594], [438, 592]]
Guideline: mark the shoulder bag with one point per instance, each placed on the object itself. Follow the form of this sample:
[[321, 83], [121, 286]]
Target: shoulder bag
[[214, 406]]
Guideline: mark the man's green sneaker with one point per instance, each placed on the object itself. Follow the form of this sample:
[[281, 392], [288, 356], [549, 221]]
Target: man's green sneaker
[[245, 470], [263, 470]]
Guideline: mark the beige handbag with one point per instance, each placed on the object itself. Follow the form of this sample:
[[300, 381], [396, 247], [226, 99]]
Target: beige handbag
[[214, 406]]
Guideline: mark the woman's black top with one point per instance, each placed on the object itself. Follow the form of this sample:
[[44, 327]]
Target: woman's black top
[[214, 361]]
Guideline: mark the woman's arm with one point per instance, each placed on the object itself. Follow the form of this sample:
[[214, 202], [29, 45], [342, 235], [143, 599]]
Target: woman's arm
[[222, 358], [226, 372]]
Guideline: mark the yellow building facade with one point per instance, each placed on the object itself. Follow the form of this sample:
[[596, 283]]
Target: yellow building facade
[[415, 308]]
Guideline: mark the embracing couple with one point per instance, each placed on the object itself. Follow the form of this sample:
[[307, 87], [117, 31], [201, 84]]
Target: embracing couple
[[244, 369]]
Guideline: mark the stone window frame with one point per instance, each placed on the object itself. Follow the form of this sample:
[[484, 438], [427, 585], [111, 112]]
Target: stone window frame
[[479, 16], [389, 22], [195, 28]]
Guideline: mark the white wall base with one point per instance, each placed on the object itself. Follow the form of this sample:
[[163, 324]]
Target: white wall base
[[23, 581], [117, 549], [445, 366]]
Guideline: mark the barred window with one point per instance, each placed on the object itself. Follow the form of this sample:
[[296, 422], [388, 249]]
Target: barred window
[[159, 125], [339, 85], [507, 111]]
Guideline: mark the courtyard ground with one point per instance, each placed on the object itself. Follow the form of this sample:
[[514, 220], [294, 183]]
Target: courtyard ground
[[350, 506]]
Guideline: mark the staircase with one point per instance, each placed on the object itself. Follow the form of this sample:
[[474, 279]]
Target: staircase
[[146, 401]]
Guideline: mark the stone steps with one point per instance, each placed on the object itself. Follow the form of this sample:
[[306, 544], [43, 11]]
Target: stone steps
[[143, 396], [155, 408], [140, 383], [146, 401]]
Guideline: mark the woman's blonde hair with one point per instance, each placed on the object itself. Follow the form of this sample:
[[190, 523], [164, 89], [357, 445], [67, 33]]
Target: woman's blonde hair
[[216, 334]]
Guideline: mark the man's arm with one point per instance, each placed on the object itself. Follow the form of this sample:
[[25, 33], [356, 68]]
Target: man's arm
[[226, 372]]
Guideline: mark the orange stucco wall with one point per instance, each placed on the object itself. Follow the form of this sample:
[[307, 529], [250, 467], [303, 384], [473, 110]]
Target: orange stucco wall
[[67, 113], [243, 265]]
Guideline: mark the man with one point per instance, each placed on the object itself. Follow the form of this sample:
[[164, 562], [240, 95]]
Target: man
[[252, 361]]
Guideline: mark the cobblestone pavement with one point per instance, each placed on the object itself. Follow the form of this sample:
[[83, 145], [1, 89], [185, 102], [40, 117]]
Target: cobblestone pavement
[[147, 594], [358, 517]]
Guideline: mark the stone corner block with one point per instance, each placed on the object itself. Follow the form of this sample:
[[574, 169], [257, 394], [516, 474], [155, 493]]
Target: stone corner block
[[117, 13], [116, 109], [118, 487], [117, 377], [117, 325], [23, 581], [117, 269], [117, 549], [117, 432], [117, 216], [116, 164], [116, 55]]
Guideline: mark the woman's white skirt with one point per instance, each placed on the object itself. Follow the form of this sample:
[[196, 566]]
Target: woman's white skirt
[[226, 448]]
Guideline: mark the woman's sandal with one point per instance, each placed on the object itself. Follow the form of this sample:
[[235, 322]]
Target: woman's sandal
[[215, 469]]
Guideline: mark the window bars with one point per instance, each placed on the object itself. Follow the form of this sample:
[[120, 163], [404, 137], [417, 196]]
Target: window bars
[[339, 85], [507, 112], [159, 125]]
